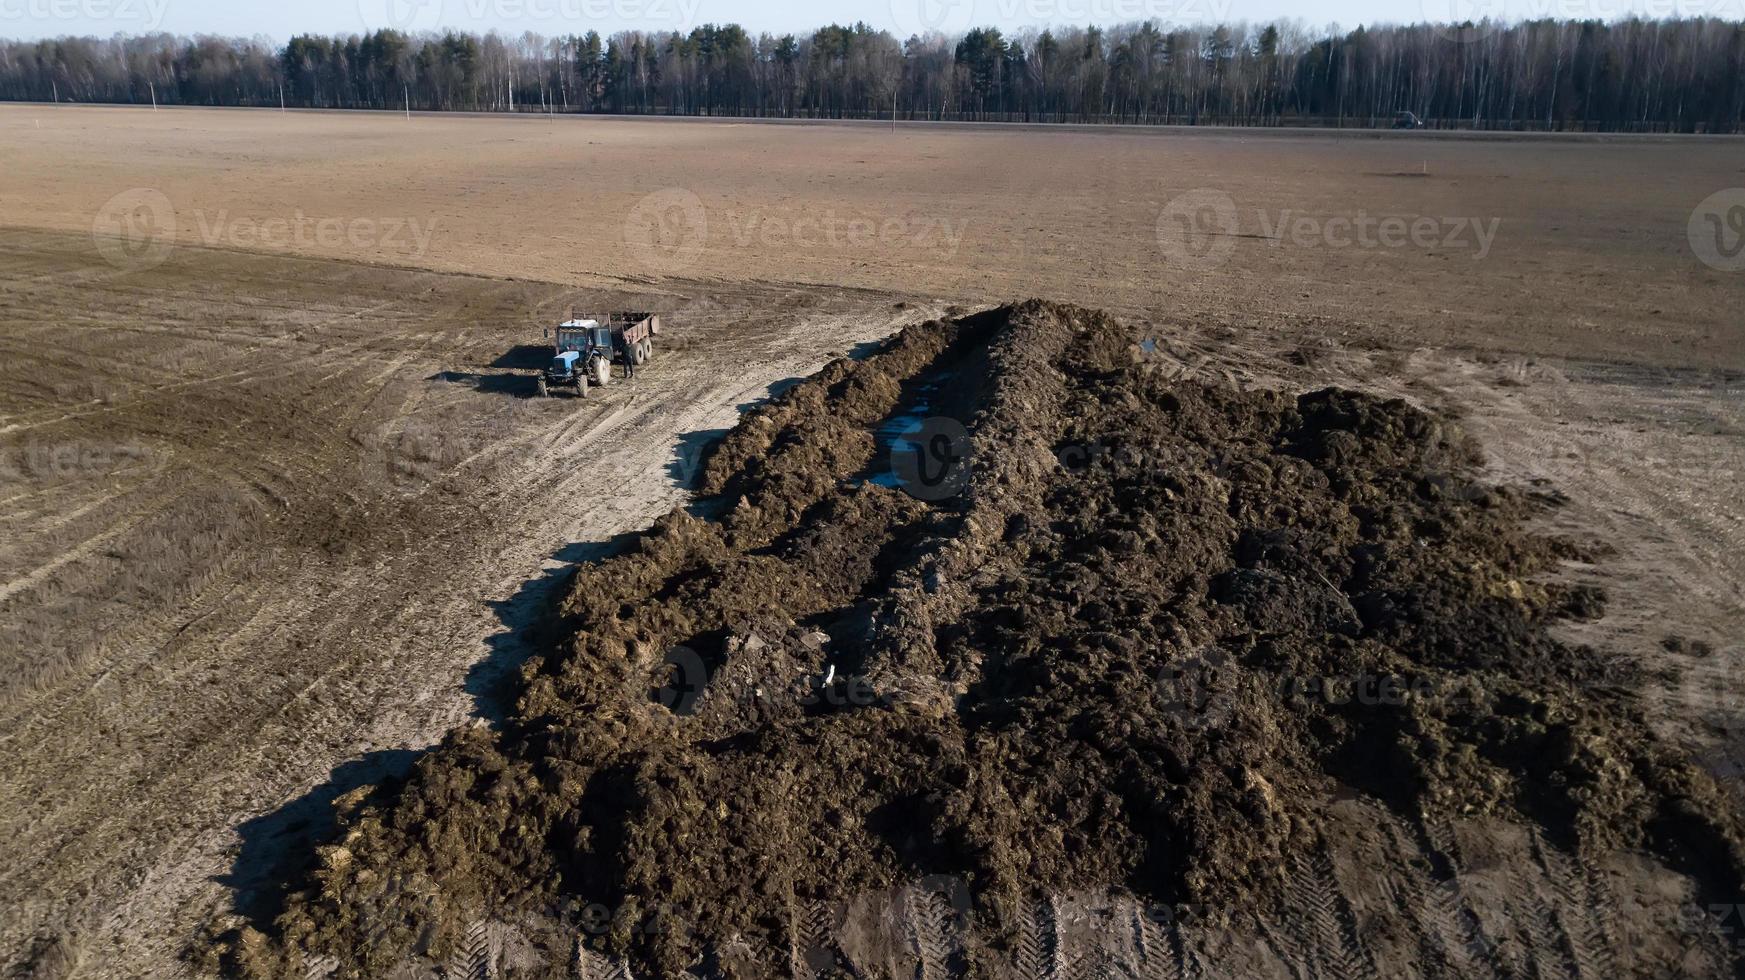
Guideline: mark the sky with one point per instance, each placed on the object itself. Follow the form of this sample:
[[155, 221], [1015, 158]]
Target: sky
[[279, 20]]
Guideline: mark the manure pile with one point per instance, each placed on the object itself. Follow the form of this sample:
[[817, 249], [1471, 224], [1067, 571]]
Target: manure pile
[[1084, 683]]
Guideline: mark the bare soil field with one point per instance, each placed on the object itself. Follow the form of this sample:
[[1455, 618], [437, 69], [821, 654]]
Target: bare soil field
[[1589, 255], [279, 513]]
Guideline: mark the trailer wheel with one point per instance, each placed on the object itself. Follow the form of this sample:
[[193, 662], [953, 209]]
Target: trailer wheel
[[648, 348]]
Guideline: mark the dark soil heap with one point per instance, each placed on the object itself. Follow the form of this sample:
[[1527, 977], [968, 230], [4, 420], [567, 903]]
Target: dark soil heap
[[1158, 627]]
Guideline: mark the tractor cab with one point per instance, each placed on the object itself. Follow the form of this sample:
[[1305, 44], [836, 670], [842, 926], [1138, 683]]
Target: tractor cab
[[579, 335]]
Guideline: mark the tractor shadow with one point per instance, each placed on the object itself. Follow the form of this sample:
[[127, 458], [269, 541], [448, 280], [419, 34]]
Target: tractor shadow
[[513, 385], [524, 357]]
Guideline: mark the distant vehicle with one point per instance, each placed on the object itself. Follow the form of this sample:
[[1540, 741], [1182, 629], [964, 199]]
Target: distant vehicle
[[1407, 120], [585, 350]]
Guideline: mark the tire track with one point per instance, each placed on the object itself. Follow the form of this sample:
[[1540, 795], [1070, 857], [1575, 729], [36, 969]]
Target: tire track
[[303, 684], [1581, 913], [1323, 930], [1036, 951]]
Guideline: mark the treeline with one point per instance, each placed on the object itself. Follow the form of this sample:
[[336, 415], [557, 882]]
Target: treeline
[[1683, 75]]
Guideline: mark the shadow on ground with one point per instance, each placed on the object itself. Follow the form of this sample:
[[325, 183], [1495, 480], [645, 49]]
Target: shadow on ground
[[515, 385], [530, 623], [524, 357], [690, 453], [865, 349], [278, 848]]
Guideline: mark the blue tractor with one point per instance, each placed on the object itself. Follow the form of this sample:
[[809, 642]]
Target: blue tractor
[[583, 356], [586, 349]]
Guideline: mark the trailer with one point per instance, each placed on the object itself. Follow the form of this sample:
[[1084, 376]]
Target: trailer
[[585, 349], [633, 331]]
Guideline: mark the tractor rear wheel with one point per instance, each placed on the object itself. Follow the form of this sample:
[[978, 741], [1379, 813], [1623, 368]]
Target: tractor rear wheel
[[544, 392], [602, 371]]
